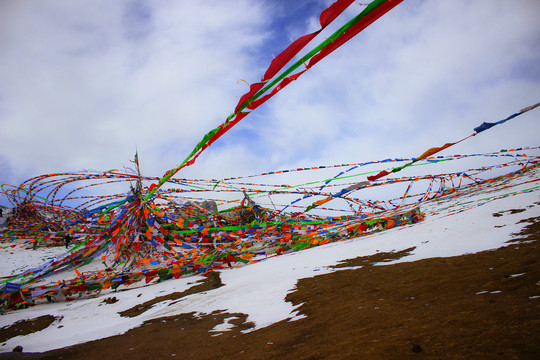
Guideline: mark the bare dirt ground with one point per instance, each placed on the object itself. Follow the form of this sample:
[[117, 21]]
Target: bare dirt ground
[[477, 306]]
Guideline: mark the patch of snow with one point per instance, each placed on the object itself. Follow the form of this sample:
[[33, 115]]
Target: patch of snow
[[225, 326], [20, 259]]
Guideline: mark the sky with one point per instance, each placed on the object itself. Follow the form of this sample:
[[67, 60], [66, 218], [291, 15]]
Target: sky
[[86, 84]]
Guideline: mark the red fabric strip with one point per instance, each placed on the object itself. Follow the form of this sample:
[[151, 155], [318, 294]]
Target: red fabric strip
[[355, 29], [226, 128], [255, 104], [378, 176], [283, 58], [327, 16], [218, 134], [333, 11], [253, 89]]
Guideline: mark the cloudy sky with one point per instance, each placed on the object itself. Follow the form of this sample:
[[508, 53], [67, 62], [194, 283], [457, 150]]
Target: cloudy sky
[[83, 84]]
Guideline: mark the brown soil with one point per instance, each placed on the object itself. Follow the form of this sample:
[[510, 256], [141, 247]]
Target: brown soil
[[212, 281], [477, 306], [25, 327]]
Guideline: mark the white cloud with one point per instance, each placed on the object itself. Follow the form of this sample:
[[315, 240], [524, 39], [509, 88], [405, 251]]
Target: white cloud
[[82, 84]]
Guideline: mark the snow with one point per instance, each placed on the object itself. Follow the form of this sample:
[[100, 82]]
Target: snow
[[226, 325], [259, 290], [20, 260]]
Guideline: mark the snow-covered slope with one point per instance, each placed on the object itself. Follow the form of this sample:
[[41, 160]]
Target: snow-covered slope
[[455, 227]]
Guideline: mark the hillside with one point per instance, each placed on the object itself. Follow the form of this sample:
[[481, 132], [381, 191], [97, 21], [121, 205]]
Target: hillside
[[461, 284]]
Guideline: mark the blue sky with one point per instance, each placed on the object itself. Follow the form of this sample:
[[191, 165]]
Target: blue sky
[[85, 83]]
